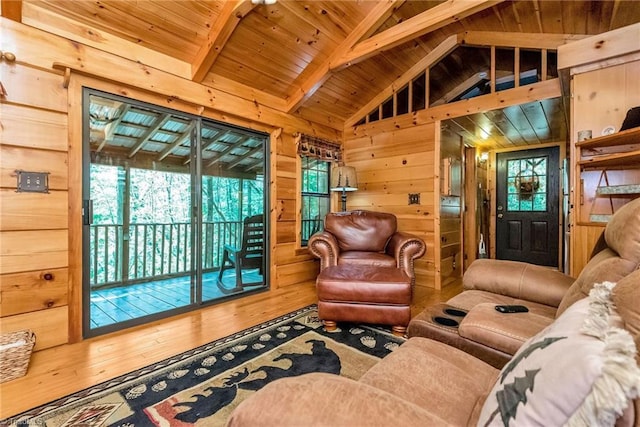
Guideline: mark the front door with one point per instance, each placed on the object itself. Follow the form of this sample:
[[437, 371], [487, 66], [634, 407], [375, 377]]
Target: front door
[[527, 215]]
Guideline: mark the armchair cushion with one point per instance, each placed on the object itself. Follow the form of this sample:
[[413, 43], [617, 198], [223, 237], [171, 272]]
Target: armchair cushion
[[375, 259], [361, 230], [580, 370]]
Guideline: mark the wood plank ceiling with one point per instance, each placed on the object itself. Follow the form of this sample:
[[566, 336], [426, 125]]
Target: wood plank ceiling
[[322, 60]]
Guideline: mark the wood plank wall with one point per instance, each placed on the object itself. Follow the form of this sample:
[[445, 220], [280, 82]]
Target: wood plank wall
[[451, 204], [389, 166], [34, 226], [40, 272], [294, 264]]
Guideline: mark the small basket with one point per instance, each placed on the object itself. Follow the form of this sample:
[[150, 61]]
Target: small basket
[[15, 353]]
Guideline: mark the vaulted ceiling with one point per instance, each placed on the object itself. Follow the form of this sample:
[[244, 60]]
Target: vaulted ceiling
[[319, 59]]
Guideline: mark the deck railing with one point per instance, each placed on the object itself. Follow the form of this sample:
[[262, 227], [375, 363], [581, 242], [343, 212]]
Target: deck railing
[[155, 251]]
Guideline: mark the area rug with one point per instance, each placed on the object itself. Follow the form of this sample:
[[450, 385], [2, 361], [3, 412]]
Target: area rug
[[202, 386]]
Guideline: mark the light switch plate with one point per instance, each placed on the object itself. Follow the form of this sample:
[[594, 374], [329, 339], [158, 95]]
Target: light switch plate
[[32, 182]]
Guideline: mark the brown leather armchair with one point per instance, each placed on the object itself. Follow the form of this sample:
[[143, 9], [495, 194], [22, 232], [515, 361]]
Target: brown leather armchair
[[366, 238]]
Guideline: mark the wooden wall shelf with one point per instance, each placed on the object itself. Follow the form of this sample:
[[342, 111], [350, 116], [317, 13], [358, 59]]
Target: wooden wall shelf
[[627, 157], [625, 137], [624, 190], [630, 159]]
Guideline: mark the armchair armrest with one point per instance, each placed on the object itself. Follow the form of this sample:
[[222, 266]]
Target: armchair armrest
[[321, 399], [518, 280], [324, 245], [405, 248]]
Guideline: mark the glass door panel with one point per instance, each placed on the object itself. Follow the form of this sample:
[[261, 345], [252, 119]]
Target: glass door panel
[[138, 213], [233, 206], [173, 212]]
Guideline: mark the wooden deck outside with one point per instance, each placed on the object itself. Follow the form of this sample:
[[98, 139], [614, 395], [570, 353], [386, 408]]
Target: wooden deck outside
[[122, 303]]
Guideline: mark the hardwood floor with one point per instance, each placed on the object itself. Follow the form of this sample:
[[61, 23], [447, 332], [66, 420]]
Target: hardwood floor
[[59, 371]]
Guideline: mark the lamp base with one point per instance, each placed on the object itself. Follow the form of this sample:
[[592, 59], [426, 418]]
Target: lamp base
[[343, 198]]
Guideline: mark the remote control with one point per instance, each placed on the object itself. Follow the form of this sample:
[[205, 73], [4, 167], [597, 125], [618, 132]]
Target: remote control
[[512, 308]]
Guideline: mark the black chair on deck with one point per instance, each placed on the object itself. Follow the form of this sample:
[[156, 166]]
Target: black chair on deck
[[249, 256]]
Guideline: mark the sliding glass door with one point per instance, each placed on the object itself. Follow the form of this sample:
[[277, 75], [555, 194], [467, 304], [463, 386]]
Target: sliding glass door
[[232, 193], [167, 203]]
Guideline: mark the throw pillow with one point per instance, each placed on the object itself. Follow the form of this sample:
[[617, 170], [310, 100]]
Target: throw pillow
[[580, 370]]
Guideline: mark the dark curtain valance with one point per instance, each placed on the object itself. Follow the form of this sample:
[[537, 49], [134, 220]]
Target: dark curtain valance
[[322, 149]]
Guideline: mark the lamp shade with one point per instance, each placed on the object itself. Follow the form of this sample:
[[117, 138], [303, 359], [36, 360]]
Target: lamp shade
[[343, 178]]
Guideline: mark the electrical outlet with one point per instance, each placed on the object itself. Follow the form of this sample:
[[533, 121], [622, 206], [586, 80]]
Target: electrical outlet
[[414, 198]]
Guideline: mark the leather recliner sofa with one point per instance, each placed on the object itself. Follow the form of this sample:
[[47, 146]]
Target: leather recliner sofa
[[494, 337], [368, 238], [563, 377], [552, 379]]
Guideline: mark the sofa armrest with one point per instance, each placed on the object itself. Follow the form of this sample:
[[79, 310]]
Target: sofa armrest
[[505, 332], [405, 248], [324, 245], [321, 399], [518, 280]]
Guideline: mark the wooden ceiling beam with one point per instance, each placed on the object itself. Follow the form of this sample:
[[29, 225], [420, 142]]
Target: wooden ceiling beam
[[521, 40], [478, 38], [54, 23], [536, 7], [304, 90], [430, 20], [11, 9], [432, 57], [223, 26], [614, 43]]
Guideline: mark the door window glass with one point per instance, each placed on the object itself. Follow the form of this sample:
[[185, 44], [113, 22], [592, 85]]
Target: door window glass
[[527, 184]]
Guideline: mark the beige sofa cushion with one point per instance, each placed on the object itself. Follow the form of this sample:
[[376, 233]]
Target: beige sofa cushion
[[622, 235], [580, 370], [503, 331], [626, 296], [431, 375]]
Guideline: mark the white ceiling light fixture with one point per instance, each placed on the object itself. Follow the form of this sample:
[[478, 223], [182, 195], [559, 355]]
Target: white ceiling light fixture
[[267, 2]]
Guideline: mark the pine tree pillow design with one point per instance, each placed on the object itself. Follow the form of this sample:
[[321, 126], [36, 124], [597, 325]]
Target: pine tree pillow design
[[580, 370]]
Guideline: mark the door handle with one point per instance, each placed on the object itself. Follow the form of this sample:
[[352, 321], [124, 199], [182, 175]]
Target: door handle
[[500, 215], [87, 212]]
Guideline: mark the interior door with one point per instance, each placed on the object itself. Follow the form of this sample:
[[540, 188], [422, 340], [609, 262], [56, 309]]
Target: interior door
[[527, 215]]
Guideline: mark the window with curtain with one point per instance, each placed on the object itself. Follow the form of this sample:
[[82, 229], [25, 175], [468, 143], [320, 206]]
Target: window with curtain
[[317, 157], [315, 196]]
